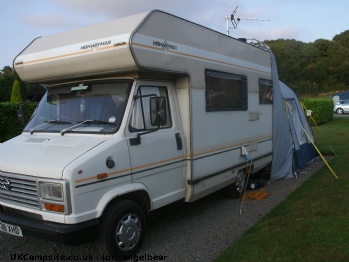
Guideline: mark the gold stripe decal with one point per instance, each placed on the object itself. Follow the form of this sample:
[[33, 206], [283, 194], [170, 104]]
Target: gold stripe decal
[[198, 57], [56, 57], [231, 146], [183, 157], [86, 49], [95, 177]]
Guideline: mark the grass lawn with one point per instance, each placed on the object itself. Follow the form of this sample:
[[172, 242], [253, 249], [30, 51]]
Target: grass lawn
[[312, 224]]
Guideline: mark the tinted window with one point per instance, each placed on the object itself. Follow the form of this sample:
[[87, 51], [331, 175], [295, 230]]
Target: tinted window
[[225, 91], [265, 91]]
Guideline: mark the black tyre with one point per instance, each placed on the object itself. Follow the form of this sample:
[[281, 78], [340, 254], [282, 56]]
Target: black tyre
[[236, 189], [339, 111], [122, 229]]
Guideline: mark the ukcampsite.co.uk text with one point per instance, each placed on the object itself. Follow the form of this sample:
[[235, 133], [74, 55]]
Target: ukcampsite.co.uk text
[[57, 257]]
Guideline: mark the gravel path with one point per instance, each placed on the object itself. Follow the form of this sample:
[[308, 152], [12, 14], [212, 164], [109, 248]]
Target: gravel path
[[199, 231]]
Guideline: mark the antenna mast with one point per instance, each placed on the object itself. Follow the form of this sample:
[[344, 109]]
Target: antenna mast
[[236, 19]]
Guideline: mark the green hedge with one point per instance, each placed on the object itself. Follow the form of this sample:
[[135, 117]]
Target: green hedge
[[322, 110], [9, 124]]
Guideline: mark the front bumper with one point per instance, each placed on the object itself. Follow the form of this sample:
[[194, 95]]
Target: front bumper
[[32, 225]]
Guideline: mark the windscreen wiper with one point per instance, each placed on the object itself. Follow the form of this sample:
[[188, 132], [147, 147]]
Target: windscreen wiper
[[63, 131], [31, 131]]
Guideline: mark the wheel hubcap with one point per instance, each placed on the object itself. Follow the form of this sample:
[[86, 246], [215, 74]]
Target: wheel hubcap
[[240, 181], [128, 232]]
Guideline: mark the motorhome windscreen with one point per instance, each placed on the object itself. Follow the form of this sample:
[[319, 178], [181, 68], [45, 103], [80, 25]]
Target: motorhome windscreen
[[95, 107]]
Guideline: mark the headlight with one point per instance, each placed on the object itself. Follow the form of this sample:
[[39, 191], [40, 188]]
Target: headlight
[[51, 191]]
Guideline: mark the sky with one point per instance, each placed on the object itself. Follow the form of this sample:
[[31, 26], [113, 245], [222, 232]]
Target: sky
[[21, 21]]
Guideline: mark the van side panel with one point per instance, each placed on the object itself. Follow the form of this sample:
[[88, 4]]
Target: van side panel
[[215, 138]]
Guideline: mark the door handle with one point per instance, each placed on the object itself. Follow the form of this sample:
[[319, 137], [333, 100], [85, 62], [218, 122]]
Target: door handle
[[179, 141]]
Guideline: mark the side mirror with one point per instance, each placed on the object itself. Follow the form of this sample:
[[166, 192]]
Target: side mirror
[[158, 117], [158, 111], [20, 114]]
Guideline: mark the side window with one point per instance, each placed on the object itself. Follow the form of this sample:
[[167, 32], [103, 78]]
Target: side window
[[265, 91], [226, 91], [141, 118]]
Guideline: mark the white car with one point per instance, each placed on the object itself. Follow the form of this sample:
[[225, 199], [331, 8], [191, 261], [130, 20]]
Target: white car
[[341, 107]]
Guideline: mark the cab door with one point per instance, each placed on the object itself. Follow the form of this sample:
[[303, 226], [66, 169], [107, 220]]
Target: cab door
[[156, 143]]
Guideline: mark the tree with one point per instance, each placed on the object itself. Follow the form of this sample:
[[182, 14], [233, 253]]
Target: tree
[[311, 68], [7, 70], [7, 76], [16, 95], [290, 59], [342, 38]]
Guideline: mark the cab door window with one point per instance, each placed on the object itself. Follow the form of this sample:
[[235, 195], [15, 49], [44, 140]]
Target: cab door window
[[141, 113]]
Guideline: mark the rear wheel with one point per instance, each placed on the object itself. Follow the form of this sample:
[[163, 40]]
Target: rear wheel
[[339, 111], [236, 189], [122, 229]]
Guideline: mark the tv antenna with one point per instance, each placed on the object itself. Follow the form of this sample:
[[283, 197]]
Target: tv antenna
[[236, 19]]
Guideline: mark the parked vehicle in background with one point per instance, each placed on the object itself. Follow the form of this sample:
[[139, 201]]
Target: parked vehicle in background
[[340, 96], [341, 107]]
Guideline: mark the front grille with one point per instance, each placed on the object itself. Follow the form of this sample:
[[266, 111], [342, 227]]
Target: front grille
[[19, 190]]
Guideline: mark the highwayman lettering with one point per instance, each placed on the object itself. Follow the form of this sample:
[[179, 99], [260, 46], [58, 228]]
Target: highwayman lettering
[[98, 44], [164, 45]]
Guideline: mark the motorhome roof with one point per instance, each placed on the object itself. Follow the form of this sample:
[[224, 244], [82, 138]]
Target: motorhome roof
[[155, 41]]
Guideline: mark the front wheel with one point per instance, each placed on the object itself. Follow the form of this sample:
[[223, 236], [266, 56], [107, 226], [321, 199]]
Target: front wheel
[[339, 111], [236, 189], [122, 229]]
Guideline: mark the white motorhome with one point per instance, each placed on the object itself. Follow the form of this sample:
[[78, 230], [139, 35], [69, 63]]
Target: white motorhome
[[140, 112]]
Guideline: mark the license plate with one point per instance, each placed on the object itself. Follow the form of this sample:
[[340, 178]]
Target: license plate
[[11, 229]]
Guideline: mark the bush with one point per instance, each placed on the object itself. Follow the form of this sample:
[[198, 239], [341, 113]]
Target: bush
[[322, 110], [16, 95], [9, 124]]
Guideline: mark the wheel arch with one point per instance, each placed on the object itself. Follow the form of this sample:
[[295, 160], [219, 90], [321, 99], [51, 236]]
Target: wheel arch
[[138, 194]]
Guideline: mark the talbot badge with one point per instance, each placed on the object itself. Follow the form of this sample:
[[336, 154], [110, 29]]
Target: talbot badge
[[4, 184]]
